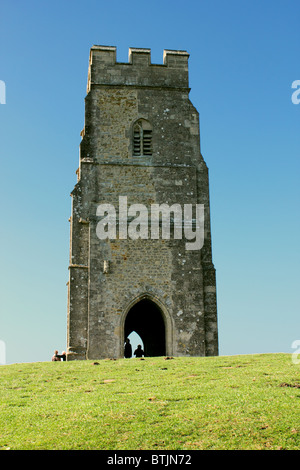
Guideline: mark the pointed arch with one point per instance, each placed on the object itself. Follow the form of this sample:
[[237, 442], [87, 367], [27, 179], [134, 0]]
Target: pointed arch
[[142, 137], [156, 322]]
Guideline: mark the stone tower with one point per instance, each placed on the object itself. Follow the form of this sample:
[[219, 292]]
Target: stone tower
[[139, 157]]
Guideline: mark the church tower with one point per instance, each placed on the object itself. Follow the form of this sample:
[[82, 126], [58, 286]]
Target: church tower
[[140, 238]]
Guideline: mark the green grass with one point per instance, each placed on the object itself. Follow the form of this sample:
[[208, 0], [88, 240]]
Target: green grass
[[229, 402]]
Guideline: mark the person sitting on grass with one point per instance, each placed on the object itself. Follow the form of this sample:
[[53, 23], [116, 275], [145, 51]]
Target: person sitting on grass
[[62, 356], [139, 352], [59, 357], [55, 356]]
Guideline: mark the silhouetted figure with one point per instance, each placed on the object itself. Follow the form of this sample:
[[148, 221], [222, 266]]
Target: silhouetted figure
[[127, 349], [138, 352], [55, 356]]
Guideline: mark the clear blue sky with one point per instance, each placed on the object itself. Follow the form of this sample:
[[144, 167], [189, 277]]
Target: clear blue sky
[[244, 56]]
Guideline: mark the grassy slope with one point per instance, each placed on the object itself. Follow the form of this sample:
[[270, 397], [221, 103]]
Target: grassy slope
[[235, 402]]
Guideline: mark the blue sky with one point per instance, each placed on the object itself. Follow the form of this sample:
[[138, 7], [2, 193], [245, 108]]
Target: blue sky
[[244, 56]]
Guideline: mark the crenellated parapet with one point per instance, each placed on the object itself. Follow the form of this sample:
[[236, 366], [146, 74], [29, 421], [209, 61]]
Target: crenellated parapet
[[139, 71]]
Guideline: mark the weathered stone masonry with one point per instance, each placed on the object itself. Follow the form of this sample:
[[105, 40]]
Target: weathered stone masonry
[[155, 287]]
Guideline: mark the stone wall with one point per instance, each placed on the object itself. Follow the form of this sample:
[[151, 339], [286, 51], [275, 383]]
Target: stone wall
[[180, 282]]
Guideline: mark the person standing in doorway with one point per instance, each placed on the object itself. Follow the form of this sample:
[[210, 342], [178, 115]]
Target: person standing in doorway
[[127, 349]]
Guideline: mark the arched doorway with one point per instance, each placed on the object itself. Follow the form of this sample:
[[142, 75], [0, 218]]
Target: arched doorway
[[146, 319], [135, 340]]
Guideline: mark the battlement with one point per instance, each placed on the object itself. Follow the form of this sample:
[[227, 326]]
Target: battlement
[[138, 71]]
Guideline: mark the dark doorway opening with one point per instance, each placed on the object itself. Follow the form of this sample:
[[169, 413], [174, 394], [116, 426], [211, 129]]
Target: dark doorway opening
[[146, 319]]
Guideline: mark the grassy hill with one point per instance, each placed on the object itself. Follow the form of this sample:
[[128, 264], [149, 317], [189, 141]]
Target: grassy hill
[[229, 402]]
